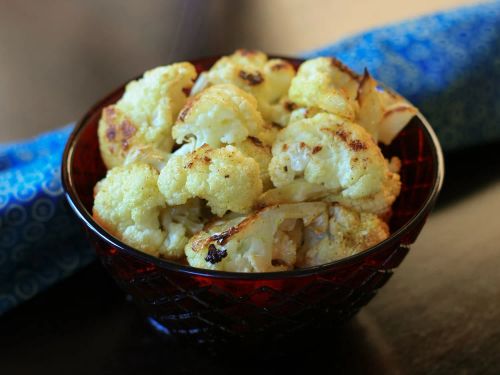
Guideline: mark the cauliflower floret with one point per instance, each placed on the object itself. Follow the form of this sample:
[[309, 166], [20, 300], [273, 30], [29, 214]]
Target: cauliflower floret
[[145, 114], [264, 241], [267, 80], [303, 191], [379, 203], [327, 84], [294, 192], [330, 151], [180, 223], [227, 179], [261, 153], [348, 233], [221, 114], [147, 155], [381, 112], [128, 203], [327, 157]]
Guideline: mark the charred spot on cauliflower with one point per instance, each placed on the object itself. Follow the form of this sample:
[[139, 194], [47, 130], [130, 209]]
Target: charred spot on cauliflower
[[145, 114], [224, 177]]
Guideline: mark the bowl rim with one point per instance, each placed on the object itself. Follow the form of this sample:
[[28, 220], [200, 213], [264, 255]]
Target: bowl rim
[[86, 217]]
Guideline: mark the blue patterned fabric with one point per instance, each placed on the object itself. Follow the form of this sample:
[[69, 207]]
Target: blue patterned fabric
[[448, 64], [40, 240]]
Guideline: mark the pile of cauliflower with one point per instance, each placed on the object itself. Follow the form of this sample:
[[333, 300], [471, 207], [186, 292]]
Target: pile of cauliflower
[[250, 166]]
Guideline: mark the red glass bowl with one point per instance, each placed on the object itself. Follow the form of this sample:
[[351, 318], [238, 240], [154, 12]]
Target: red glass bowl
[[207, 305]]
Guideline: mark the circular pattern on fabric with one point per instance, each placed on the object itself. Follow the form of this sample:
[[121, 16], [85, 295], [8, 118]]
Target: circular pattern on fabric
[[8, 237], [4, 200], [26, 288], [43, 210], [15, 214], [53, 187], [33, 232], [19, 253], [25, 193], [49, 272]]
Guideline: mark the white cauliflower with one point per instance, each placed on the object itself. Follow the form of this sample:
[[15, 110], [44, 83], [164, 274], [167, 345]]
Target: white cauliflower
[[328, 157], [129, 205], [261, 153], [330, 151], [378, 203], [326, 84], [339, 234], [382, 112], [145, 114], [147, 155], [221, 114], [267, 80], [265, 241], [180, 223], [224, 177]]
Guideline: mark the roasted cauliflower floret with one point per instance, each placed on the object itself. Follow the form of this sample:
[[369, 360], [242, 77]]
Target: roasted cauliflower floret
[[379, 203], [348, 233], [301, 191], [224, 177], [128, 203], [264, 241], [221, 114], [329, 151], [180, 223], [382, 112], [326, 84], [267, 80], [145, 114], [337, 161], [261, 153], [147, 155]]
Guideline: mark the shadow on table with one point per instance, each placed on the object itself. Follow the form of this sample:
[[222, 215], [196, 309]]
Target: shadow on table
[[85, 326], [355, 348]]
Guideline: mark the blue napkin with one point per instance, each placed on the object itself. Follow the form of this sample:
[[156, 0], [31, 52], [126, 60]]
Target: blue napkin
[[448, 64]]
